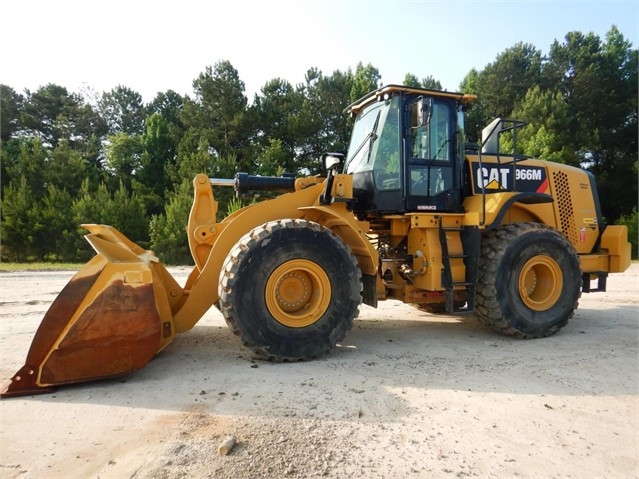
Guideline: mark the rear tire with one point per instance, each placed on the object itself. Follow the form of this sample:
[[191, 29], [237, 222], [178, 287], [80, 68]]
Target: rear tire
[[290, 290], [529, 280]]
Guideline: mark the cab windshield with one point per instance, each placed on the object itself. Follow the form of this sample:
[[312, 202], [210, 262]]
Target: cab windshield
[[375, 143]]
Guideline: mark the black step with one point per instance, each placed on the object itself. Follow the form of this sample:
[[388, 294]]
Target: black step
[[456, 256]]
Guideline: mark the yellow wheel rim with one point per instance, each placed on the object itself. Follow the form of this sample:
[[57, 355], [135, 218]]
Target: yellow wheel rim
[[540, 283], [298, 293]]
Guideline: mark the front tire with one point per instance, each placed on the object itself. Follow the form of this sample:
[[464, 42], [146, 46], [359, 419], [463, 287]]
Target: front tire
[[290, 289], [529, 280]]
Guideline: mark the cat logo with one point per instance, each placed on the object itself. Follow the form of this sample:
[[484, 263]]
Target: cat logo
[[493, 178]]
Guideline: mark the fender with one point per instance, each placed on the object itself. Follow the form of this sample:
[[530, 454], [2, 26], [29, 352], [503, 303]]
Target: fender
[[494, 207], [524, 198]]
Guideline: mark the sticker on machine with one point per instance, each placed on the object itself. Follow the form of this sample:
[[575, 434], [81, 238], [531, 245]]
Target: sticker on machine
[[495, 178]]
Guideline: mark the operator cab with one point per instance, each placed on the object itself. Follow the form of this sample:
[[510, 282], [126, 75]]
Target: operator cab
[[407, 150]]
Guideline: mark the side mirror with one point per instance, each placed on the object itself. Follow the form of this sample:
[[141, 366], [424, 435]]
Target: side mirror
[[333, 161], [422, 111], [426, 110]]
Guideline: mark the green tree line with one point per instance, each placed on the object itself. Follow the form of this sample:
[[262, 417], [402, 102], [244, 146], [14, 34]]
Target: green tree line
[[68, 158]]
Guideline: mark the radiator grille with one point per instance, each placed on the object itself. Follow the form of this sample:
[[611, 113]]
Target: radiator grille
[[564, 203]]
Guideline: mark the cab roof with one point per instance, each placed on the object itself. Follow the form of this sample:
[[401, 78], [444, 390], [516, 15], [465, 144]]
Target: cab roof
[[376, 95]]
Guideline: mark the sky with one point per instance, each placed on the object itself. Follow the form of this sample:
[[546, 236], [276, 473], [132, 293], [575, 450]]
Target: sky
[[93, 46]]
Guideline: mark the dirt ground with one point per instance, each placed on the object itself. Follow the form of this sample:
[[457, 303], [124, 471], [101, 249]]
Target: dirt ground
[[406, 395]]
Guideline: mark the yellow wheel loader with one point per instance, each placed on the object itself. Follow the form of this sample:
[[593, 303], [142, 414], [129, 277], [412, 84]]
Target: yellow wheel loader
[[411, 213]]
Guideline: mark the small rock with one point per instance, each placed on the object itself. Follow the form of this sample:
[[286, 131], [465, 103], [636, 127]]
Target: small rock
[[226, 446]]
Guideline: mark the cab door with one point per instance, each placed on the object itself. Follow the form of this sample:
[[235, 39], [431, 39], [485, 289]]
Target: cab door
[[430, 153]]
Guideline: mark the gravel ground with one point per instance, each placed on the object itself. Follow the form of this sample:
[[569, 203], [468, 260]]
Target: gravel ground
[[407, 394]]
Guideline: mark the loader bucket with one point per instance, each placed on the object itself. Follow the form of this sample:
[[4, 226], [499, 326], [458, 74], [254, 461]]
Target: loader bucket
[[111, 318]]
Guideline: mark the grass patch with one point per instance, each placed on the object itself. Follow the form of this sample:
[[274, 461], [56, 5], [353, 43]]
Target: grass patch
[[11, 267]]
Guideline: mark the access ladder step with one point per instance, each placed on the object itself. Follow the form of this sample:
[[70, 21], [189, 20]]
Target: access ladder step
[[470, 238]]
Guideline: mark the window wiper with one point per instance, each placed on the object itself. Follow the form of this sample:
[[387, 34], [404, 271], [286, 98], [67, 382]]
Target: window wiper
[[368, 140], [373, 136]]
